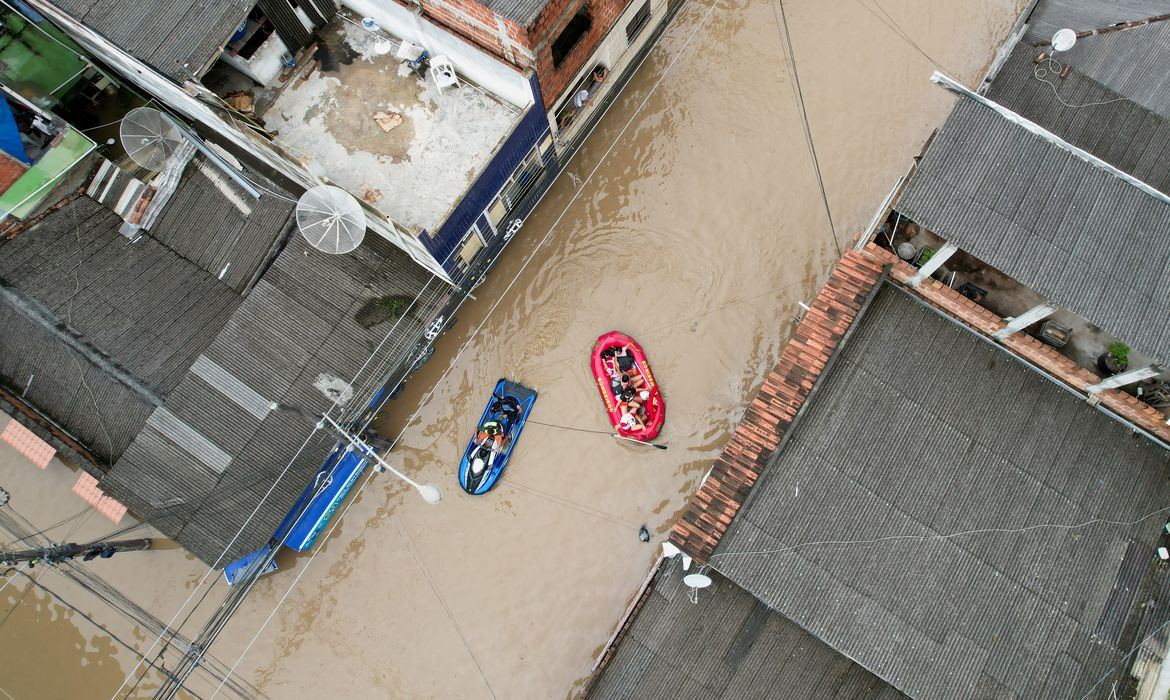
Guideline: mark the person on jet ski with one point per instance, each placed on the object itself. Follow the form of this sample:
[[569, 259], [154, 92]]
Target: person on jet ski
[[508, 406], [489, 441]]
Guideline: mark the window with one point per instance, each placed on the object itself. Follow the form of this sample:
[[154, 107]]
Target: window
[[577, 27], [637, 22], [523, 179]]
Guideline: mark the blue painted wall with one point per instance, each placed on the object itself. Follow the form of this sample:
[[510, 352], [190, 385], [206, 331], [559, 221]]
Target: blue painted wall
[[531, 130]]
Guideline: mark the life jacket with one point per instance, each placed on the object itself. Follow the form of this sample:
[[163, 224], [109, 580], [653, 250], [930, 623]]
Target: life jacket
[[492, 428]]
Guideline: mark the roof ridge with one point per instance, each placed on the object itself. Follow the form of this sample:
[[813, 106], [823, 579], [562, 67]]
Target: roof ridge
[[775, 406]]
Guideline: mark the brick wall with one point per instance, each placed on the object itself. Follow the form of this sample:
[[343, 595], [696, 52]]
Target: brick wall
[[528, 47], [11, 170], [555, 80], [481, 27]]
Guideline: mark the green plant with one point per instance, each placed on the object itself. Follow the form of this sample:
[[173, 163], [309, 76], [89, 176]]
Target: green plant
[[381, 309], [926, 255], [1120, 353]]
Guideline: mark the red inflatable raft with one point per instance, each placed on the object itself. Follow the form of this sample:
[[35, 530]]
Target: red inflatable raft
[[605, 365]]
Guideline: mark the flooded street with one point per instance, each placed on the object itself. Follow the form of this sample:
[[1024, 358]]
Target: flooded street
[[697, 228]]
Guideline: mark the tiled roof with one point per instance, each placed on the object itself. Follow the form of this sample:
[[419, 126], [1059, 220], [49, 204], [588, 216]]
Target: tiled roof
[[920, 431], [176, 38], [1055, 222], [771, 412], [727, 645]]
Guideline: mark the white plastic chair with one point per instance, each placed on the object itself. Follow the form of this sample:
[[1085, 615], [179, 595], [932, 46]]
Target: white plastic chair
[[443, 73]]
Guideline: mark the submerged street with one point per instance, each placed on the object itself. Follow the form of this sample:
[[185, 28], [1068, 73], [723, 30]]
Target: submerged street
[[693, 221]]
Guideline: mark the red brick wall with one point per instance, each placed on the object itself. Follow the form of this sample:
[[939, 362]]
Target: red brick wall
[[555, 80], [10, 171], [479, 26]]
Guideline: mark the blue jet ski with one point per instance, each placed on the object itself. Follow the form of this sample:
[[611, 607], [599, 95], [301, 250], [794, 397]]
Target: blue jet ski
[[508, 409]]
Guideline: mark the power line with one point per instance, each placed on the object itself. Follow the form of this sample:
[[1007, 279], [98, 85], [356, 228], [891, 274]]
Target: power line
[[532, 256], [947, 536], [798, 93]]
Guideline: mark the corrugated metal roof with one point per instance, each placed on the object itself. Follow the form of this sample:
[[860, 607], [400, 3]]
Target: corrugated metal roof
[[296, 325], [1054, 222], [727, 645], [177, 39], [213, 223], [1119, 131], [920, 430], [522, 12], [1083, 15]]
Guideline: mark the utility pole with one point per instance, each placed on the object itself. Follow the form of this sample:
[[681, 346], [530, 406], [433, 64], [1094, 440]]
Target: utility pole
[[61, 552], [430, 492]]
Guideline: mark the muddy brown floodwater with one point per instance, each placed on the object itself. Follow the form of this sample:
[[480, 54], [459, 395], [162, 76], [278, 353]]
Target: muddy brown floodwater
[[698, 234]]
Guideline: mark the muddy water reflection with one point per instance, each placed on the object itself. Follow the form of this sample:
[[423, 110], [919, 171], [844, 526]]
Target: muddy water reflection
[[697, 235]]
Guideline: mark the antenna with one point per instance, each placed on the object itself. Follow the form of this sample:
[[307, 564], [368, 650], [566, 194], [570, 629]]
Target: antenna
[[1063, 40], [330, 219], [150, 137], [697, 580]]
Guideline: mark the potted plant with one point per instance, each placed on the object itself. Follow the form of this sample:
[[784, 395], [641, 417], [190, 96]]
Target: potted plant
[[1115, 360]]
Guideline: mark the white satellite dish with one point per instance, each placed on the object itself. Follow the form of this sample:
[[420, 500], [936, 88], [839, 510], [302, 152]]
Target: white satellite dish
[[149, 137], [1063, 40], [330, 219], [697, 580]]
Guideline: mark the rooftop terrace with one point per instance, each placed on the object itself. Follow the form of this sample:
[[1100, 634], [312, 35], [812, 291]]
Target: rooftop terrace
[[416, 171]]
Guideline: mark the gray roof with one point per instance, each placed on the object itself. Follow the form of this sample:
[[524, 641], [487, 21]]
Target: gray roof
[[1129, 62], [1082, 15], [727, 645], [212, 222], [208, 456], [1056, 223], [522, 12], [922, 429], [1119, 131], [130, 316], [165, 34]]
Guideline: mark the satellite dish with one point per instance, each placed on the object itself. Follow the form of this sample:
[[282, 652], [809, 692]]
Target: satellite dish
[[1063, 40], [383, 47], [149, 137], [330, 219], [697, 580]]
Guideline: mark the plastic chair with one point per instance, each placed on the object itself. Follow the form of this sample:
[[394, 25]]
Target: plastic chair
[[443, 73]]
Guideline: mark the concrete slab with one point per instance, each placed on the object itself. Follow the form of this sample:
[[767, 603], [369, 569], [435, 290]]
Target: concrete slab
[[417, 170]]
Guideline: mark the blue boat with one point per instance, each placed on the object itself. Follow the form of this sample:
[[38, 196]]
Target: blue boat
[[324, 495], [232, 571], [476, 475]]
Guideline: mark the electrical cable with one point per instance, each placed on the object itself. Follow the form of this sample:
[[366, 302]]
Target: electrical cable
[[119, 602], [54, 526], [798, 93], [339, 517], [946, 536]]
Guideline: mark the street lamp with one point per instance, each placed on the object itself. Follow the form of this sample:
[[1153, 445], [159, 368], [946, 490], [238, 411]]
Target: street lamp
[[430, 492]]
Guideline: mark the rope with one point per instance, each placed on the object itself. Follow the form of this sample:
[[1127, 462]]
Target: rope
[[1051, 66], [566, 427], [503, 295]]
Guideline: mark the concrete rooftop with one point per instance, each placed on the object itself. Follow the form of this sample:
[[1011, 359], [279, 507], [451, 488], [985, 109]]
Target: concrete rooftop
[[415, 172]]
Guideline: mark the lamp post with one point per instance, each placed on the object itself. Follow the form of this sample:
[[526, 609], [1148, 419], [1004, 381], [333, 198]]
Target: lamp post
[[430, 492]]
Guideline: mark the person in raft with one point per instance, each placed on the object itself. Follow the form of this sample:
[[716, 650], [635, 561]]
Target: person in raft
[[630, 422]]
